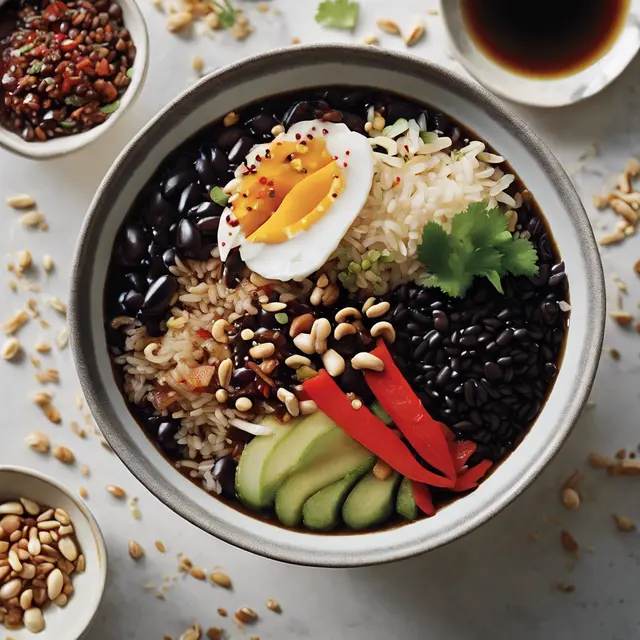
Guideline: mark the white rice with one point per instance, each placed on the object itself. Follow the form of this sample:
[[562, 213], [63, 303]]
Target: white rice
[[415, 183]]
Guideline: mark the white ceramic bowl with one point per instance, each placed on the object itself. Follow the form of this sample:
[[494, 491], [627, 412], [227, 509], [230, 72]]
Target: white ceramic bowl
[[72, 621], [542, 92], [55, 147], [321, 65]]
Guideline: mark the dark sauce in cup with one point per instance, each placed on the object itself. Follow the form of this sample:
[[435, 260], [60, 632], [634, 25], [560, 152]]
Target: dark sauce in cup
[[545, 38]]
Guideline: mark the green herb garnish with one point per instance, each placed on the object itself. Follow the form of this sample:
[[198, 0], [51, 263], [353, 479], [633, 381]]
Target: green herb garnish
[[130, 72], [479, 244], [338, 14], [35, 68], [219, 196], [227, 13], [282, 318], [67, 124], [26, 48], [111, 107]]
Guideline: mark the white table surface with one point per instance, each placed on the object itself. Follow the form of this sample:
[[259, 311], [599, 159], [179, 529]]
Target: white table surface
[[495, 582]]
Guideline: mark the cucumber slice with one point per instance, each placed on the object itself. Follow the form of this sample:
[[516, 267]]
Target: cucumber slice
[[371, 502], [405, 504], [380, 413], [321, 512], [288, 453], [329, 459], [248, 485]]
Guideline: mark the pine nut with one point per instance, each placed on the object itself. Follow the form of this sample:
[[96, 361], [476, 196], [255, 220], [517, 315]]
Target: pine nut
[[296, 361], [48, 525], [4, 546], [382, 470], [34, 547], [221, 579], [274, 307], [38, 441], [333, 362], [45, 515], [224, 372], [289, 401], [262, 351], [330, 295], [377, 310], [10, 524], [80, 564], [316, 296], [14, 561], [368, 303], [135, 550], [21, 201], [344, 329], [322, 330], [385, 331], [570, 498], [307, 407], [365, 360], [247, 334], [63, 454], [55, 582], [222, 396], [304, 342], [11, 349], [14, 508], [243, 404], [62, 516], [116, 492], [31, 507], [33, 620], [348, 313], [28, 571], [301, 324], [68, 549], [10, 589], [219, 331], [26, 598], [61, 600], [322, 281]]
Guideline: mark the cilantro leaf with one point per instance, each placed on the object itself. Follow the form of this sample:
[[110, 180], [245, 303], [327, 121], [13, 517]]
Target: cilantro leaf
[[227, 13], [219, 196], [479, 245], [338, 14], [520, 257]]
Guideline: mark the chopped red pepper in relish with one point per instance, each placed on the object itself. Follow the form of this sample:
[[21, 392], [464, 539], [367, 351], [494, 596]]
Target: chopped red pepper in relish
[[469, 479]]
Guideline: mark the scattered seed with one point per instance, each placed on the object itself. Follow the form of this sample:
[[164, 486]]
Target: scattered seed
[[39, 441], [160, 547], [624, 468], [197, 64], [370, 39], [192, 633], [11, 349], [42, 347], [612, 238], [246, 615], [47, 263], [564, 587], [274, 606], [568, 542], [215, 633], [389, 26], [625, 524], [24, 259], [221, 579], [63, 454], [58, 305], [116, 492], [32, 219], [135, 550], [179, 21], [48, 375], [570, 498], [614, 353], [62, 339], [415, 35], [623, 318], [198, 574], [21, 201], [12, 325]]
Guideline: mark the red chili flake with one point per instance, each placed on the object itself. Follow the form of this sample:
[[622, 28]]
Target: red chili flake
[[344, 164], [263, 180], [204, 334], [334, 195], [267, 154], [313, 128], [224, 244], [259, 158], [252, 167], [406, 147], [290, 157], [325, 131], [398, 179], [272, 194], [235, 222], [270, 183], [249, 208], [304, 143], [228, 218], [279, 144], [347, 152], [335, 157], [298, 136], [245, 195], [309, 136]]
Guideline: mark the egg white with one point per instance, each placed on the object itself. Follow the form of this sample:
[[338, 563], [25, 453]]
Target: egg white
[[308, 250]]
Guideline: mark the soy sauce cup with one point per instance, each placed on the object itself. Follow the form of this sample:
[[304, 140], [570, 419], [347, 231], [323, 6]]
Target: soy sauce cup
[[565, 81]]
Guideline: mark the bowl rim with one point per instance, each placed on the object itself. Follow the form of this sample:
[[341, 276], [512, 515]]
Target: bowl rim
[[62, 146], [261, 64], [98, 536]]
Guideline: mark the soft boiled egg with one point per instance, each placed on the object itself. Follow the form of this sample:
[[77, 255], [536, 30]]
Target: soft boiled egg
[[295, 198]]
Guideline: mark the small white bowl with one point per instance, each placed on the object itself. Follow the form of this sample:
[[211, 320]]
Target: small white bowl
[[72, 621], [56, 147], [556, 92]]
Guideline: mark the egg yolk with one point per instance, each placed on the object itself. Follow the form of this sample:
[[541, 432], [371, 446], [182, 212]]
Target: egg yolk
[[290, 189]]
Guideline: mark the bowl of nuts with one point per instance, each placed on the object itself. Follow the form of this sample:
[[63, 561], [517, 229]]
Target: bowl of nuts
[[53, 559]]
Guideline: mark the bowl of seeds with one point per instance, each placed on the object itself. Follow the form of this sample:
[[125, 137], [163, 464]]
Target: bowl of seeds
[[53, 559]]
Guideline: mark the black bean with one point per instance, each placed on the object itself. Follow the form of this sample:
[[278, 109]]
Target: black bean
[[520, 334], [229, 137], [557, 278], [435, 340], [470, 393], [444, 375], [169, 257], [208, 226], [190, 196], [240, 149], [133, 301], [224, 471], [422, 349], [492, 371], [219, 160], [420, 318], [175, 184], [188, 238], [137, 281], [159, 295], [464, 426], [505, 338], [205, 210], [160, 213], [261, 125], [206, 172], [440, 321], [468, 341], [134, 245], [242, 377], [166, 439]]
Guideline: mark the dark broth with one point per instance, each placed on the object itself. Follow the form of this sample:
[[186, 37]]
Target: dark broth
[[545, 38]]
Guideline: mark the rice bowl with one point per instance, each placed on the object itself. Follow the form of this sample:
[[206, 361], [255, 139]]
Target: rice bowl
[[196, 405]]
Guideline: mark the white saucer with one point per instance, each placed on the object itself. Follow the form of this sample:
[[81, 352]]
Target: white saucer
[[542, 92]]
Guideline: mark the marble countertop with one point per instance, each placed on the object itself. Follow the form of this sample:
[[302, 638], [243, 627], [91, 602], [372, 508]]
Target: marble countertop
[[497, 582]]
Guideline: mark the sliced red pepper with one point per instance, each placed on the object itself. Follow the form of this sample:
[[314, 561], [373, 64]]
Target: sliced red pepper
[[422, 496], [102, 68], [204, 334], [469, 479], [369, 431], [461, 451], [397, 398]]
